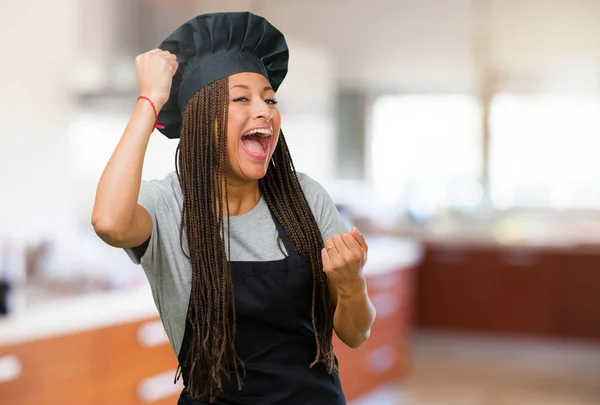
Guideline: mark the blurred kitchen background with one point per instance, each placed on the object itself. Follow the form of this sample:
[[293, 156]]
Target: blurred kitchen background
[[461, 136]]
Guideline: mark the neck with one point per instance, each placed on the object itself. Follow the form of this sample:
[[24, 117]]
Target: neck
[[242, 196]]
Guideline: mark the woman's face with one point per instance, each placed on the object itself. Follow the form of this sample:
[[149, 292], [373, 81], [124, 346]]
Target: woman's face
[[253, 126]]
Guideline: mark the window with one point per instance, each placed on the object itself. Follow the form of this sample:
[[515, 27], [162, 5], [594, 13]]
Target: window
[[544, 151], [426, 151]]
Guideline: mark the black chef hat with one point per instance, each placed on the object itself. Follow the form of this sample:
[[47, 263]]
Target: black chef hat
[[212, 46]]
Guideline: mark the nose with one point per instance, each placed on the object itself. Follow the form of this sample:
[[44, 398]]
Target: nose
[[262, 111]]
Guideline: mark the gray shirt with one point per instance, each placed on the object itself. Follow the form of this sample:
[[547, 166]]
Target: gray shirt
[[253, 238]]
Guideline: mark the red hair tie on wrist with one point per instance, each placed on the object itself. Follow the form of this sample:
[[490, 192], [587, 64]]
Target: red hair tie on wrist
[[156, 125]]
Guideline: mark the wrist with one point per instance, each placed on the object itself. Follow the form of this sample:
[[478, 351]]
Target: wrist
[[352, 288], [151, 104], [157, 102]]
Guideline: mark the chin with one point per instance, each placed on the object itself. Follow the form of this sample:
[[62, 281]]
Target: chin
[[254, 173]]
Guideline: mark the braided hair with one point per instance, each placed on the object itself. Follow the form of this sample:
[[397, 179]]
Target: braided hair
[[201, 162]]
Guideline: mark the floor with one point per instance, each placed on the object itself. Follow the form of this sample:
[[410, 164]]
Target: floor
[[452, 369]]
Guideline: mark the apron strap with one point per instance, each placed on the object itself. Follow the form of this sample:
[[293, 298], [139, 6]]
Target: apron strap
[[182, 367], [289, 247]]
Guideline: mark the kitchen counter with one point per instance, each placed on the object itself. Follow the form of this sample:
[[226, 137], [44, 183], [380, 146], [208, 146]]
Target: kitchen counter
[[98, 310], [76, 314]]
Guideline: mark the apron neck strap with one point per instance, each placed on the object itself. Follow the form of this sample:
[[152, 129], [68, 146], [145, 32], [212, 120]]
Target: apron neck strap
[[289, 247]]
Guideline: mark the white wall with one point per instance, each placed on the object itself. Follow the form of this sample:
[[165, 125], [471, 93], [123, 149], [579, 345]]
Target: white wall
[[35, 107]]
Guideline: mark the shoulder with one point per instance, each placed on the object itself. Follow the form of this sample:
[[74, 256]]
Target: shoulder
[[322, 206], [162, 199], [162, 190], [168, 184], [312, 189]]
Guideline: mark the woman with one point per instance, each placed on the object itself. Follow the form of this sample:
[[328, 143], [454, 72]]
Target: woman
[[250, 266]]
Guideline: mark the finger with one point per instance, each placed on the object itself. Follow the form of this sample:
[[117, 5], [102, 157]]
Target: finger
[[343, 255], [360, 238], [357, 253], [354, 253], [333, 252], [329, 247], [327, 265], [352, 243], [340, 244]]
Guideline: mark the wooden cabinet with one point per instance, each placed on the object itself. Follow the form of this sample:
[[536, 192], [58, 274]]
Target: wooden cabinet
[[452, 294], [534, 291], [577, 292], [383, 357], [130, 354], [520, 291], [108, 366], [51, 371]]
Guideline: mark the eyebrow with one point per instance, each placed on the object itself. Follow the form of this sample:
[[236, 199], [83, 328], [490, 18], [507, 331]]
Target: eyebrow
[[243, 86]]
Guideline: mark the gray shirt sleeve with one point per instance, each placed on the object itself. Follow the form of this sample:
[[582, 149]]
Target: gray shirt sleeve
[[322, 206], [159, 199]]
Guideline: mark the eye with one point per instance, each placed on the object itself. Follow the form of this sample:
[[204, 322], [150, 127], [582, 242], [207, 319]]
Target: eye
[[240, 99], [271, 101]]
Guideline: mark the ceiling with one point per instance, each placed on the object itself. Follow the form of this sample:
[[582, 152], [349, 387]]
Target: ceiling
[[390, 46], [445, 45]]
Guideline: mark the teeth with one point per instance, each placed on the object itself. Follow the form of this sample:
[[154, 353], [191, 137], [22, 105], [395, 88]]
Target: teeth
[[262, 131]]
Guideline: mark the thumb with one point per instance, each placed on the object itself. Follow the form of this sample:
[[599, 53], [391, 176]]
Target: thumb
[[359, 238]]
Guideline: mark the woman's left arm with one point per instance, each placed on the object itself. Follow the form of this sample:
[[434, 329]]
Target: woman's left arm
[[344, 257]]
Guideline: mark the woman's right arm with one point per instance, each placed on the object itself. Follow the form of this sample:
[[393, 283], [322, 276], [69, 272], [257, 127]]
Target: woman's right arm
[[117, 217]]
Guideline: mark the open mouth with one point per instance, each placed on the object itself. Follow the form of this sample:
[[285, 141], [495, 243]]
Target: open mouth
[[257, 142]]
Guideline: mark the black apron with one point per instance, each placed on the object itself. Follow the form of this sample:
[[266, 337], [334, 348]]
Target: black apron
[[274, 337]]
